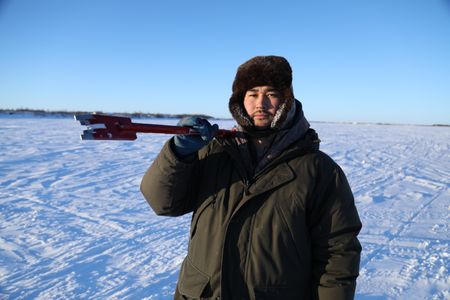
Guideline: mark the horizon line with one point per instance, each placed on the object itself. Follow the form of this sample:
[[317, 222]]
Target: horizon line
[[71, 113]]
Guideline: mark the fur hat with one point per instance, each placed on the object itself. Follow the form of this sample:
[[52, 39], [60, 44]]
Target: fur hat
[[262, 70]]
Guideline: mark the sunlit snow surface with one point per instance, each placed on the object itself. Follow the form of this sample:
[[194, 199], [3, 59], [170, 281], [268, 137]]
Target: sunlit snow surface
[[73, 224]]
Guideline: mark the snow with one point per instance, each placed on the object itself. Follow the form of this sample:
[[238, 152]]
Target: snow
[[74, 225]]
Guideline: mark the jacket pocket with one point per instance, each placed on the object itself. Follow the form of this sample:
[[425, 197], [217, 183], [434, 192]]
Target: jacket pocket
[[192, 281], [288, 226], [198, 213]]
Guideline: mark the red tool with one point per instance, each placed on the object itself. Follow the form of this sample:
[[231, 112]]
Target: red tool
[[107, 127]]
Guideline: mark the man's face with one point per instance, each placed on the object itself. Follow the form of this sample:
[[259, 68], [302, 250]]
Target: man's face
[[261, 103]]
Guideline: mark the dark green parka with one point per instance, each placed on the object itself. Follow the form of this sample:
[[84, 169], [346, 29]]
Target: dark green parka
[[288, 232]]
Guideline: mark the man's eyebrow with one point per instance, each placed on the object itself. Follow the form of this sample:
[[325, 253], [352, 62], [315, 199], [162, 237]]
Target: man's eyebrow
[[268, 90]]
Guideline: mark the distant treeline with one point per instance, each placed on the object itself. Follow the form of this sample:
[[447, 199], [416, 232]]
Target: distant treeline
[[70, 114]]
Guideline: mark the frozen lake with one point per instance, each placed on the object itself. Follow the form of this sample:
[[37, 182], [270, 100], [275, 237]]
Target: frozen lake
[[73, 224]]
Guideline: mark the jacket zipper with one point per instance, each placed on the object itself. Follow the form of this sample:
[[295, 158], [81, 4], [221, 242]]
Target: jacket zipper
[[247, 184]]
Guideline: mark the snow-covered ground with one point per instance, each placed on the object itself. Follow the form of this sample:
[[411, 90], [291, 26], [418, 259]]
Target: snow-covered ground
[[73, 224]]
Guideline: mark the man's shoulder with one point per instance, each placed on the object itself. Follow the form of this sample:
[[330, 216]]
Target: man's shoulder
[[317, 159], [213, 147]]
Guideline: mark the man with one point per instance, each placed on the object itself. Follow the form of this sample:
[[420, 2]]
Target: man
[[273, 217]]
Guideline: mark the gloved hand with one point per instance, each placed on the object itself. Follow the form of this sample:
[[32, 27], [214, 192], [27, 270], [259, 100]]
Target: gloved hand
[[189, 144]]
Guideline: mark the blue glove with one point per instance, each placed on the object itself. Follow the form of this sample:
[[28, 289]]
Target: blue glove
[[189, 144]]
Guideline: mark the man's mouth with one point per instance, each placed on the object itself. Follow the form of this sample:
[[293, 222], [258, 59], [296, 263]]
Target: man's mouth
[[261, 115]]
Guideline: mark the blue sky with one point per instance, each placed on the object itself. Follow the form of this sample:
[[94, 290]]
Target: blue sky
[[368, 61]]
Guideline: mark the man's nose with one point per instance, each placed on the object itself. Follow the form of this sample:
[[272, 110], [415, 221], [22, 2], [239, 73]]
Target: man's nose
[[261, 101]]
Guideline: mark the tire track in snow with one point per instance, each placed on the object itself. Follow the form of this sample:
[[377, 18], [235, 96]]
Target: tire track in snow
[[391, 237]]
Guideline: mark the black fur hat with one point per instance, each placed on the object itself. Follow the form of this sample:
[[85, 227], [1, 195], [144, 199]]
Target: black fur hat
[[262, 70]]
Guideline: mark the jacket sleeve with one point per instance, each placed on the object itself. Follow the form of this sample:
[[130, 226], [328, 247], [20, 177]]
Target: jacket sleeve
[[335, 246], [168, 185]]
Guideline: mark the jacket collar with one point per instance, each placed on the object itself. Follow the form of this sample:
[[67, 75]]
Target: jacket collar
[[309, 142], [294, 129]]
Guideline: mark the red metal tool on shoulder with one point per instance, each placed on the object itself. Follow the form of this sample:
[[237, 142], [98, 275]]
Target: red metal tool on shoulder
[[108, 127]]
